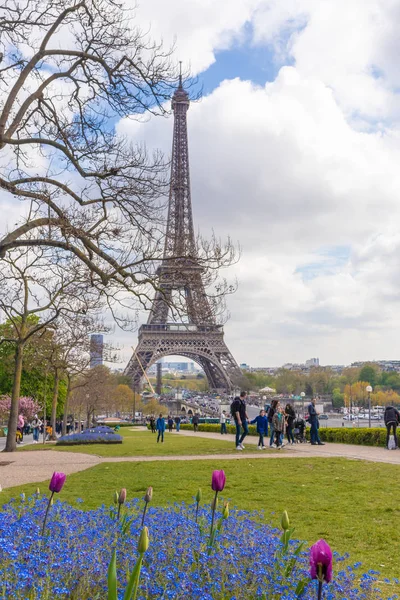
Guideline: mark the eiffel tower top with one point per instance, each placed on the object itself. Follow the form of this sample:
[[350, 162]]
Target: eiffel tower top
[[180, 242]]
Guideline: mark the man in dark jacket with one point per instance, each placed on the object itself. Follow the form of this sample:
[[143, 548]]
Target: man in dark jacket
[[392, 418], [239, 413], [195, 422], [313, 420]]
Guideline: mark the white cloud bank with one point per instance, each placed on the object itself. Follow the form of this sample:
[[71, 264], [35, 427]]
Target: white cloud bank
[[302, 171]]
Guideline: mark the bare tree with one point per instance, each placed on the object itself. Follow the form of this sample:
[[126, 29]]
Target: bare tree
[[69, 69], [34, 293], [93, 394], [69, 354]]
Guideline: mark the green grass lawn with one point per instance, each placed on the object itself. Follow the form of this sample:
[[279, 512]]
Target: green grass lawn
[[144, 443], [352, 504]]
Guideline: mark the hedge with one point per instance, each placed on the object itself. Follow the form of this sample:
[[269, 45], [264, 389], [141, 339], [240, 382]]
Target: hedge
[[362, 436], [341, 435], [216, 428]]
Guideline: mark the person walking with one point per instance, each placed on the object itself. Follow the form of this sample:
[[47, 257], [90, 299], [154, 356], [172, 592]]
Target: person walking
[[20, 429], [290, 416], [392, 419], [262, 428], [222, 420], [160, 426], [177, 423], [36, 424], [313, 420], [195, 422], [270, 417], [152, 424], [278, 421], [238, 411], [170, 423]]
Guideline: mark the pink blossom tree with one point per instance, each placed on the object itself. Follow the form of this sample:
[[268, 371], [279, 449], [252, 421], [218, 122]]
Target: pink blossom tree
[[27, 407]]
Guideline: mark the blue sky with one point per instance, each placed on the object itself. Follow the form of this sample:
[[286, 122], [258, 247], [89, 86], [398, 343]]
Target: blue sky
[[242, 60]]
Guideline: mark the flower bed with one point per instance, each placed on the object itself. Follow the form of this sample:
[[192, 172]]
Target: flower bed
[[72, 559], [94, 435]]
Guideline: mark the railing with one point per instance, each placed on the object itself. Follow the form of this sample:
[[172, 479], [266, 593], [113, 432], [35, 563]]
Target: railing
[[188, 327]]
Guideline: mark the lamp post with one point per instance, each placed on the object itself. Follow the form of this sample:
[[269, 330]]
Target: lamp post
[[368, 389]]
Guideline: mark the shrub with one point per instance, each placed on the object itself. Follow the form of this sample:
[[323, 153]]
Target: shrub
[[362, 436], [94, 435], [72, 560], [212, 428]]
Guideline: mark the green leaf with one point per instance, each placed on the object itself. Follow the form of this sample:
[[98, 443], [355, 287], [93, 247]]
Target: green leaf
[[133, 583], [299, 549], [301, 586], [112, 577]]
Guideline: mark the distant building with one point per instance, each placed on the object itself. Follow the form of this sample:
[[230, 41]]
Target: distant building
[[312, 362], [96, 350], [176, 368]]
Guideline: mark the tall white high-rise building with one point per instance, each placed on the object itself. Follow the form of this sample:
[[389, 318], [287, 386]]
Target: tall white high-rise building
[[312, 362]]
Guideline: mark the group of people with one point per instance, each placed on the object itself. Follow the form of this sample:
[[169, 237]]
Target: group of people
[[36, 426], [271, 424]]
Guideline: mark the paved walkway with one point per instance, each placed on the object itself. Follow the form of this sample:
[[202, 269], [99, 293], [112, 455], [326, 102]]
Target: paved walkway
[[28, 439], [32, 466]]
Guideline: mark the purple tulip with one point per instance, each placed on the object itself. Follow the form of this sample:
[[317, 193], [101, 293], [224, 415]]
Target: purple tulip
[[218, 481], [57, 482], [321, 561]]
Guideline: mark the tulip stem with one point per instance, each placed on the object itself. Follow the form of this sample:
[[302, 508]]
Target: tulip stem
[[197, 511], [133, 584], [144, 512], [319, 590], [47, 512], [213, 514], [119, 510]]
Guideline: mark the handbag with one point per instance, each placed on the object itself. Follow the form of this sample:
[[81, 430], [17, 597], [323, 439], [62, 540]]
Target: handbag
[[392, 443]]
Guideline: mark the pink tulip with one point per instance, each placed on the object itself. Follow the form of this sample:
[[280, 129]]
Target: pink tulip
[[122, 496], [57, 482], [218, 481], [321, 561]]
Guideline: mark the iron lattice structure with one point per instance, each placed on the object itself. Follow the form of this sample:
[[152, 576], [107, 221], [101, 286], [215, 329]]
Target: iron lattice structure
[[200, 338]]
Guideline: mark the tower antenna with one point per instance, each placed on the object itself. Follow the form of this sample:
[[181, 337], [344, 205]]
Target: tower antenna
[[180, 73]]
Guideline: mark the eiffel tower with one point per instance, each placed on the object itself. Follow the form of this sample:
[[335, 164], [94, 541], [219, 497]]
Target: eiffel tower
[[200, 338]]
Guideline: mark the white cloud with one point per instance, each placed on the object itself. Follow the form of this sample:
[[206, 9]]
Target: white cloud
[[281, 169], [199, 27]]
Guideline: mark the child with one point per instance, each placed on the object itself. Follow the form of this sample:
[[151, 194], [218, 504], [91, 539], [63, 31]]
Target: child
[[152, 424], [278, 421], [262, 428], [160, 426]]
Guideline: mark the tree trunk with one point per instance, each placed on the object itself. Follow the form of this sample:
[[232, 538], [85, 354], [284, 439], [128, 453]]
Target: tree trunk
[[54, 405], [65, 417], [11, 443]]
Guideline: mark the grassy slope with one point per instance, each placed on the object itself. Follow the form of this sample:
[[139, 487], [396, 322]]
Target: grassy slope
[[353, 505]]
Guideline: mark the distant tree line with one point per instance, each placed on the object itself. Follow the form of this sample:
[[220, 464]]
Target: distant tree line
[[347, 387]]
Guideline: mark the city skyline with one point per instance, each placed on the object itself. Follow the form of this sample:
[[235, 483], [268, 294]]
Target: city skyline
[[293, 154]]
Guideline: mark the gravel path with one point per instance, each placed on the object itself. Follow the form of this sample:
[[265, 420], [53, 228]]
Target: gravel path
[[32, 466]]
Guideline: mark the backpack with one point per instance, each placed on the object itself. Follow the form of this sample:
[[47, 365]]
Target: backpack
[[233, 411]]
